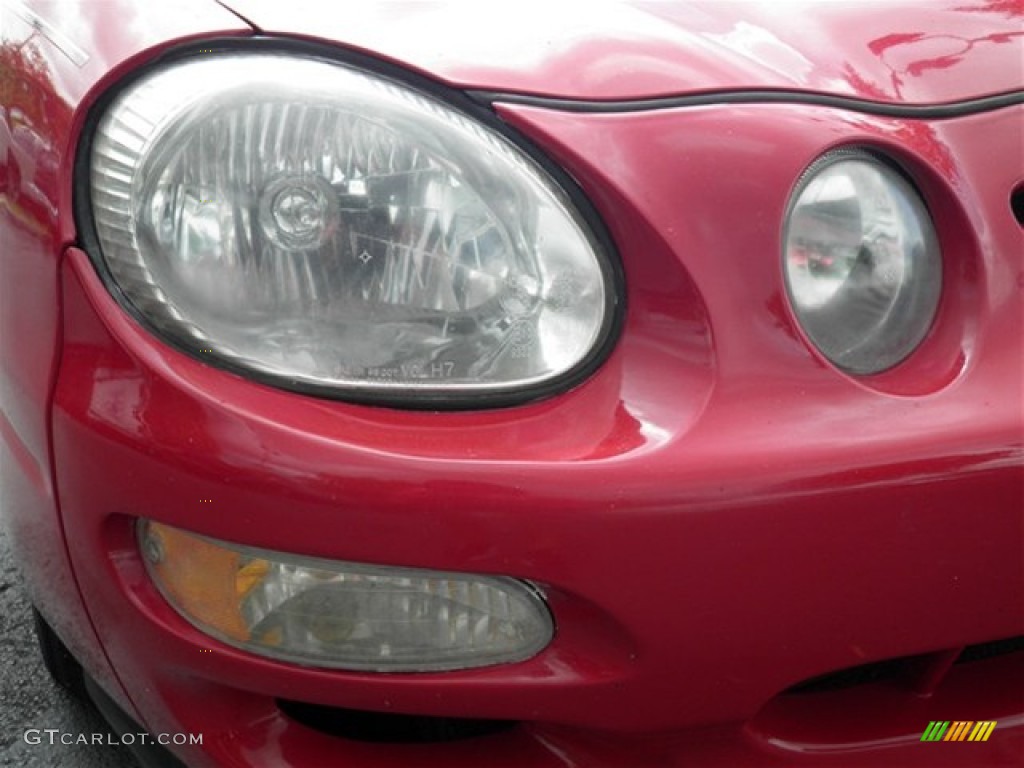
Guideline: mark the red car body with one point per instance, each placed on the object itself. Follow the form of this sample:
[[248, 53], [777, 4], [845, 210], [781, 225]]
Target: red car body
[[751, 557]]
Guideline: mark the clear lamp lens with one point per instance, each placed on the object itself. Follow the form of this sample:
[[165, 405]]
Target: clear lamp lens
[[862, 262], [344, 615], [328, 228]]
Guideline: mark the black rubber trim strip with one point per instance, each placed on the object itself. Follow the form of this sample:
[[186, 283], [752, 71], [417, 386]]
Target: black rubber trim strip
[[234, 12], [398, 398], [150, 754], [915, 111]]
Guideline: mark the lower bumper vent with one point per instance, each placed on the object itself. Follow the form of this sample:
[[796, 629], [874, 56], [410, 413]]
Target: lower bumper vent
[[380, 727], [922, 672]]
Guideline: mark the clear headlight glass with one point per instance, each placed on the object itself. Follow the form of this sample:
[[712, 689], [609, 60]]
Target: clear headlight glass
[[862, 262], [329, 613], [336, 231]]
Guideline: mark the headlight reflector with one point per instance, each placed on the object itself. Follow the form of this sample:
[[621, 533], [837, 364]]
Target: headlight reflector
[[331, 230], [344, 615], [862, 262]]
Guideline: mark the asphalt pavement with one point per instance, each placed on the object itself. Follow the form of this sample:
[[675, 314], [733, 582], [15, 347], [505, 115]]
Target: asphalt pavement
[[30, 703]]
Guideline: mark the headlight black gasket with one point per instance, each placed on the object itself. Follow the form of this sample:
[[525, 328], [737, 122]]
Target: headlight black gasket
[[395, 397]]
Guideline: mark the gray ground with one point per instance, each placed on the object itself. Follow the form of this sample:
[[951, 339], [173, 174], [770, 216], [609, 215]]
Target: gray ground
[[28, 699]]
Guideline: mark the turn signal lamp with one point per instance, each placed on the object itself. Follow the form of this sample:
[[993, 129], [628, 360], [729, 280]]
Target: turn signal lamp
[[344, 615]]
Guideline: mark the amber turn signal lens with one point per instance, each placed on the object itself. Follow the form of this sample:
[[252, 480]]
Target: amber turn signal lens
[[345, 615]]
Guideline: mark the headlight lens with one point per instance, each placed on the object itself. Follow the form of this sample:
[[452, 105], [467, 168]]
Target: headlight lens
[[862, 262], [335, 231], [344, 615]]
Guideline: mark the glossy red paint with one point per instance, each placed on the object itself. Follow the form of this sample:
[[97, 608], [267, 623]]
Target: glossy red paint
[[716, 515], [52, 65], [904, 52]]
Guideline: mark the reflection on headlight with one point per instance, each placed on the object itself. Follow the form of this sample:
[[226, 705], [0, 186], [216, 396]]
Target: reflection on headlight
[[862, 262], [325, 227]]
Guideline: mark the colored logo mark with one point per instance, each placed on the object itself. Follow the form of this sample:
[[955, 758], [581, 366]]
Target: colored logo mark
[[958, 730]]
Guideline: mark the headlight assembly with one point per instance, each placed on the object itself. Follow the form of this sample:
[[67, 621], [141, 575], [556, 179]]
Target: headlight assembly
[[329, 230], [861, 261]]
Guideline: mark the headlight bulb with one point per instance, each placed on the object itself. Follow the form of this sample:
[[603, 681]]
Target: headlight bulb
[[298, 212]]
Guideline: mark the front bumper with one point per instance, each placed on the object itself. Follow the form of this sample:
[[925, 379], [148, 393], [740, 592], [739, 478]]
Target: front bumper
[[716, 516]]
